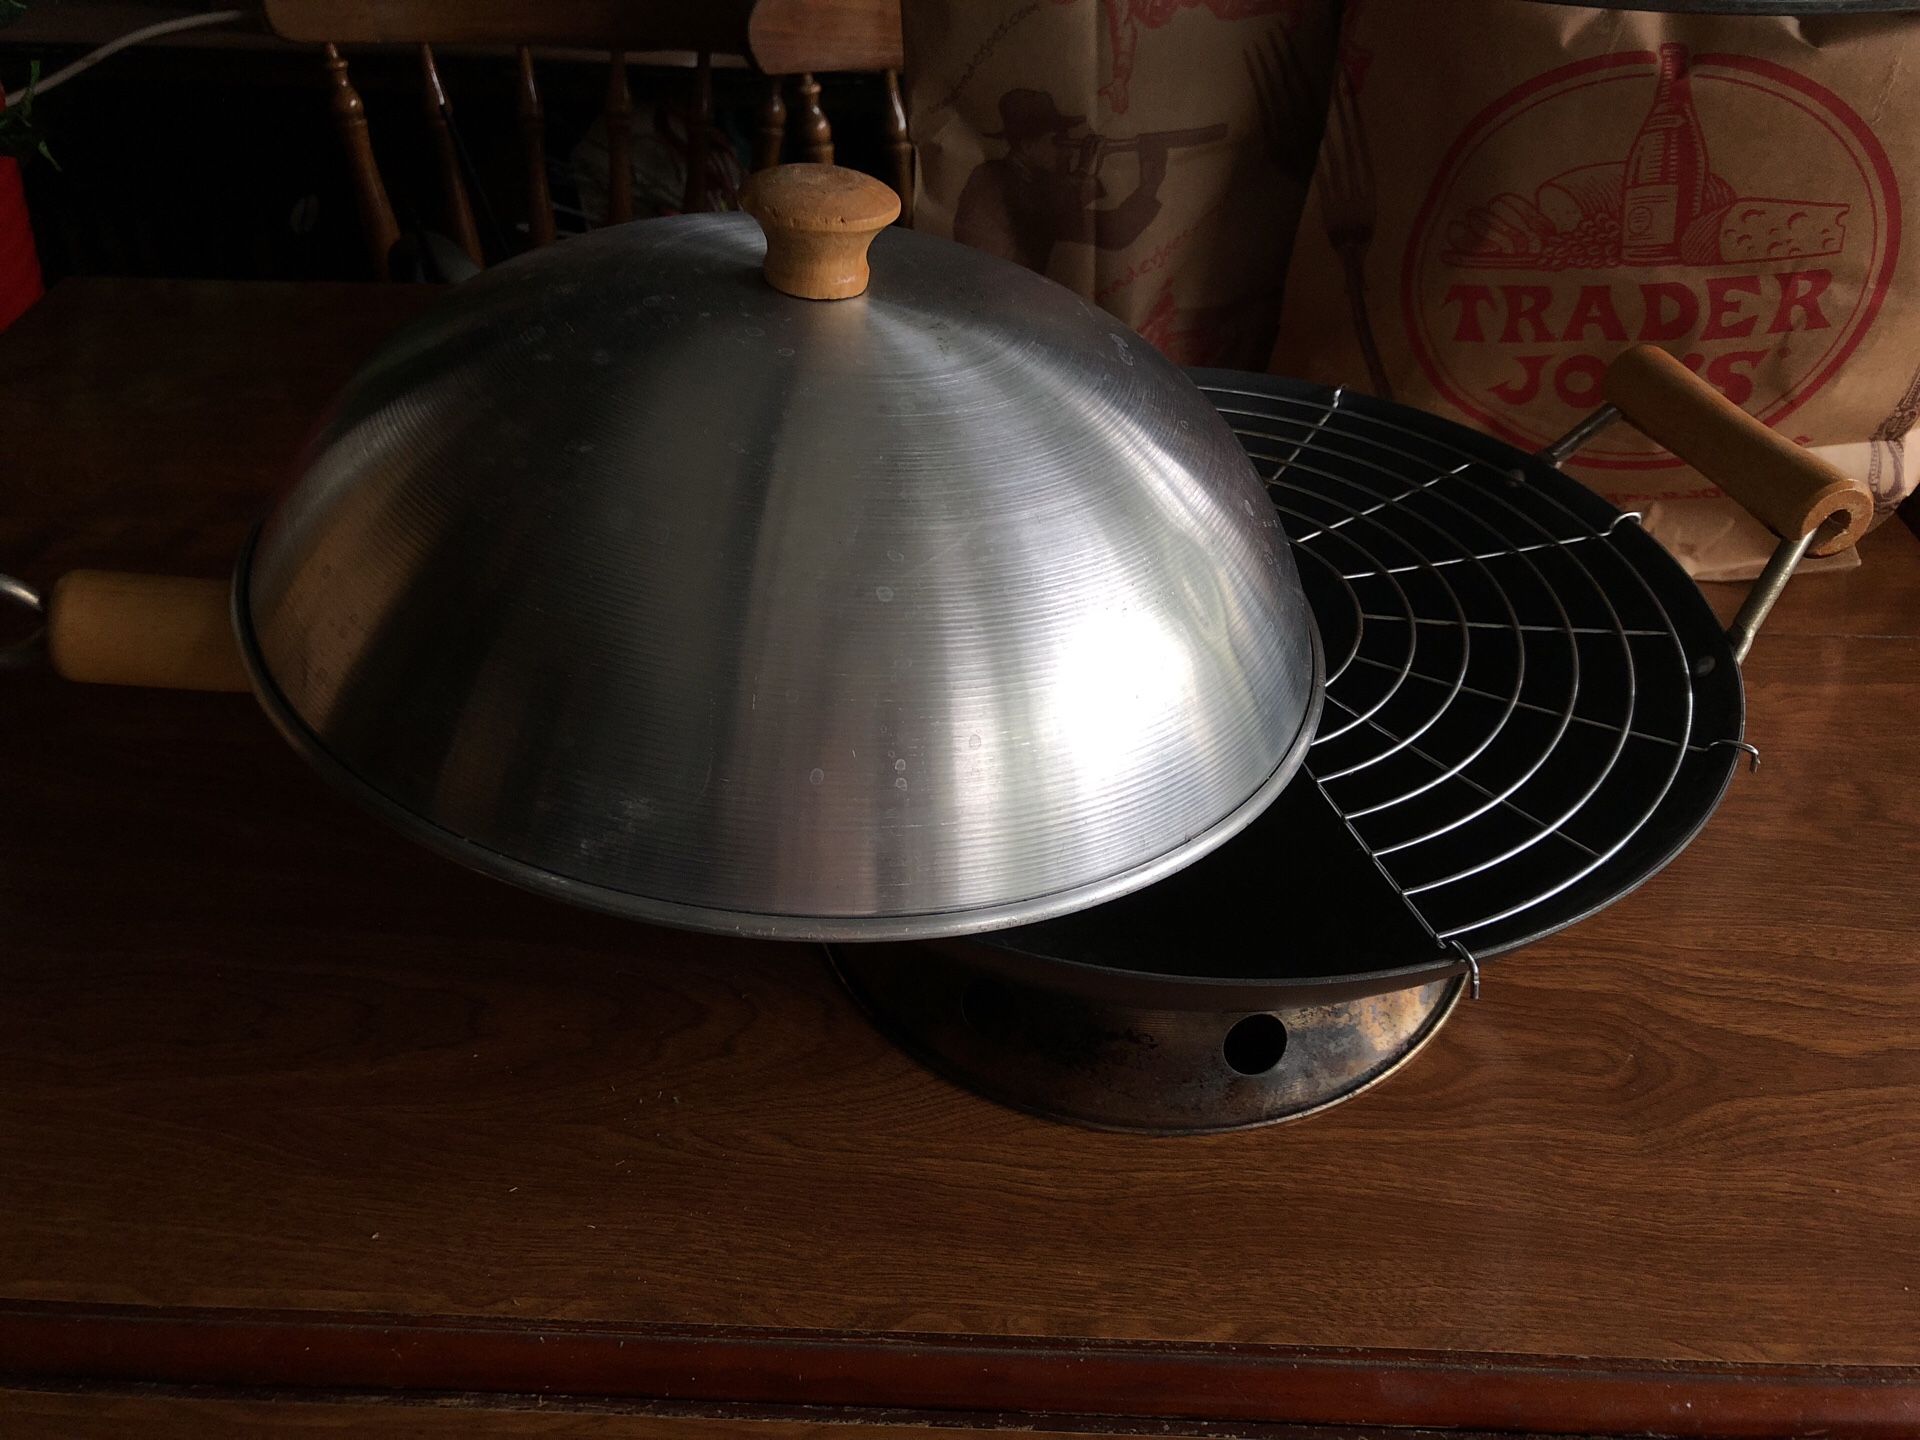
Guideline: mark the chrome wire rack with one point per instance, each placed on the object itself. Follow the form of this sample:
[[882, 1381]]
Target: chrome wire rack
[[1529, 709], [1523, 717]]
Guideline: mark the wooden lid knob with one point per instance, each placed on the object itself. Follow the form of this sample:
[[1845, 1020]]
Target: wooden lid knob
[[819, 220]]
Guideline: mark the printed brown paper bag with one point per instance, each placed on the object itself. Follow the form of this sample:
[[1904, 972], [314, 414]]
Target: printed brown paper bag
[[1511, 193], [1151, 154]]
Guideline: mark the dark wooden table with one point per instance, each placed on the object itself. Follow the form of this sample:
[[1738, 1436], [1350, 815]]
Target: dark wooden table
[[296, 1120]]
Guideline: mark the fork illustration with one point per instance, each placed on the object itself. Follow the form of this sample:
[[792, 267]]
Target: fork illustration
[[1292, 107], [1348, 208]]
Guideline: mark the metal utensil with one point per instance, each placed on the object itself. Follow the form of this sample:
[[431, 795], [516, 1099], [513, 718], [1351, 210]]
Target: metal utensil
[[635, 578], [1290, 101], [1348, 210]]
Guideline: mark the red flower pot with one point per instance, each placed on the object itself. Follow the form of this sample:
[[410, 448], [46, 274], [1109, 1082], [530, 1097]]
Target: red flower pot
[[19, 261]]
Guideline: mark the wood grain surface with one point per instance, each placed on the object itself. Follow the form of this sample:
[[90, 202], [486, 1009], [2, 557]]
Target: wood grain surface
[[255, 1052], [27, 1414], [593, 24], [978, 1380], [788, 37]]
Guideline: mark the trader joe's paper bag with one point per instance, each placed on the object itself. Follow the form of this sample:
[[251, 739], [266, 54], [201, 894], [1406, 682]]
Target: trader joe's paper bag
[[1151, 154], [1511, 193]]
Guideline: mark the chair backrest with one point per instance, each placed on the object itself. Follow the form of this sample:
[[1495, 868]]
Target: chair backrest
[[715, 25], [784, 37], [805, 37]]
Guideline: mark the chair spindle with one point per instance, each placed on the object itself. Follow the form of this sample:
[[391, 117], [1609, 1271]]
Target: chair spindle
[[815, 134], [453, 189], [619, 121], [533, 133], [694, 198], [773, 126], [900, 147], [369, 192]]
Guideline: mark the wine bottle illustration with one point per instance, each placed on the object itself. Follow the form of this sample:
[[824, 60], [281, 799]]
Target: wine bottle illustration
[[1665, 186]]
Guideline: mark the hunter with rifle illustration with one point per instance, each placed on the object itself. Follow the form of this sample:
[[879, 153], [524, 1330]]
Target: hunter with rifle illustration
[[1046, 190]]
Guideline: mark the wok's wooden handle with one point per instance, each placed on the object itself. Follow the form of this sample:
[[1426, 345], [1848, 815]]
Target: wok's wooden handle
[[819, 221], [1786, 488], [166, 631]]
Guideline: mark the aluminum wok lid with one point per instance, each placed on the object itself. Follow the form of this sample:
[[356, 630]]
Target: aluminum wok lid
[[633, 575]]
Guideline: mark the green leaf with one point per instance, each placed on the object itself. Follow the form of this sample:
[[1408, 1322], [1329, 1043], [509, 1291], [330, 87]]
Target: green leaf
[[20, 135]]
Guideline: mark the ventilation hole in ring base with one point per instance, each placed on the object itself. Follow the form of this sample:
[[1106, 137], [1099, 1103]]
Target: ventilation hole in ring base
[[1255, 1044]]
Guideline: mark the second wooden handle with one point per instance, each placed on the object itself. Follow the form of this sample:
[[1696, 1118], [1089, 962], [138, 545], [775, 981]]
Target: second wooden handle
[[1785, 487], [166, 631]]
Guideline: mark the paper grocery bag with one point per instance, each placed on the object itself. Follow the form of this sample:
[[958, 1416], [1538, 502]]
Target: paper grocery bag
[[1151, 154], [1511, 193]]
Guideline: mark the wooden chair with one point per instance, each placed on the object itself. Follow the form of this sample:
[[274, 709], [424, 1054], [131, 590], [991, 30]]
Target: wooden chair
[[786, 39], [800, 37]]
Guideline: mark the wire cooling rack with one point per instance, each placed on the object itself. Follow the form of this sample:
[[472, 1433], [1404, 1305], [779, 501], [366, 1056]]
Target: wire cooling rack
[[1529, 707]]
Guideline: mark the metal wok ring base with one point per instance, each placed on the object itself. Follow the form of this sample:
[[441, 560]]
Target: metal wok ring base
[[1067, 1057]]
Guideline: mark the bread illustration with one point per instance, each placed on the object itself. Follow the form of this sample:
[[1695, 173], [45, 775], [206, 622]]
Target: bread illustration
[[1506, 227], [1520, 214], [1572, 222], [1757, 228], [1573, 195]]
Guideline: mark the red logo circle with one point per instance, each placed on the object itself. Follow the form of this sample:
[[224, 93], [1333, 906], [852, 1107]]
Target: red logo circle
[[1517, 288]]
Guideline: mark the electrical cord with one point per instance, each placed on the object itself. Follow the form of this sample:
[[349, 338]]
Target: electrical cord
[[132, 37]]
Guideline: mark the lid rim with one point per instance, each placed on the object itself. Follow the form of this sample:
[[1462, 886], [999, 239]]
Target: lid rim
[[970, 920]]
